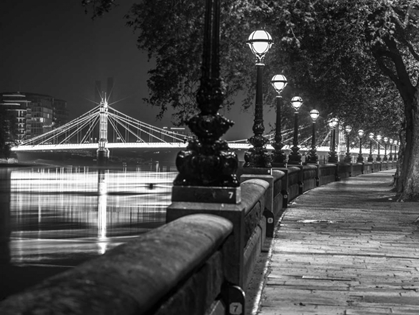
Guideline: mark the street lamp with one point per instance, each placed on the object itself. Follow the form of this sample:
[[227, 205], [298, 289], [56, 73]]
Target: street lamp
[[385, 142], [279, 82], [378, 158], [332, 155], [259, 42], [360, 157], [207, 160], [370, 158], [347, 159], [313, 157], [391, 141], [295, 157]]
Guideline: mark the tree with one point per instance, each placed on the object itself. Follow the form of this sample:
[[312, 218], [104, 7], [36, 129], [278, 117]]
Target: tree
[[355, 60]]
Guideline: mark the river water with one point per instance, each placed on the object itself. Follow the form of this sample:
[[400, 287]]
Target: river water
[[52, 219]]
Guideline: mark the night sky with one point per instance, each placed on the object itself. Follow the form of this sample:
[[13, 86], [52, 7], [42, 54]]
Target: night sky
[[52, 47]]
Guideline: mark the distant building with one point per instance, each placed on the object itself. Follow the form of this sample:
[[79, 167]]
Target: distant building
[[60, 113], [17, 104], [35, 113]]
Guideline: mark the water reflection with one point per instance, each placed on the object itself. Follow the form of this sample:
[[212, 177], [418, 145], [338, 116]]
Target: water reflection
[[62, 216]]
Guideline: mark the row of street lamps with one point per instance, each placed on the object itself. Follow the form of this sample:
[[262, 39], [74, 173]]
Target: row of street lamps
[[386, 141], [260, 42]]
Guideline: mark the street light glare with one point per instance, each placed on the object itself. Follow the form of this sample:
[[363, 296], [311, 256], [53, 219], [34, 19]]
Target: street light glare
[[314, 114], [260, 42], [296, 102], [333, 123], [279, 82]]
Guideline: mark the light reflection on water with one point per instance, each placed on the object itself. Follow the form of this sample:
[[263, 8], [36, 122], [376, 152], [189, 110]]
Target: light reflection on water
[[65, 215]]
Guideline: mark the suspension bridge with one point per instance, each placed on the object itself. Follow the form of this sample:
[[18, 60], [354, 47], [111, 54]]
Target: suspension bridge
[[104, 128]]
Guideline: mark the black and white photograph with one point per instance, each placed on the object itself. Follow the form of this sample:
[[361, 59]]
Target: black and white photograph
[[209, 157]]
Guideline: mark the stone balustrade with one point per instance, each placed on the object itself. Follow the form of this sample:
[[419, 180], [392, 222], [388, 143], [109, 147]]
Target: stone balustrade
[[199, 262]]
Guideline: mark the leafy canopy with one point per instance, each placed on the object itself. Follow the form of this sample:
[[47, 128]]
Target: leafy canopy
[[325, 48]]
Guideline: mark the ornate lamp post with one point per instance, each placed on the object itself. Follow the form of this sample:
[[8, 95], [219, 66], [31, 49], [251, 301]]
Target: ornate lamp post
[[207, 160], [259, 42], [370, 158], [295, 157], [279, 82], [379, 138], [347, 159], [360, 157], [332, 155], [391, 141], [385, 143], [313, 157]]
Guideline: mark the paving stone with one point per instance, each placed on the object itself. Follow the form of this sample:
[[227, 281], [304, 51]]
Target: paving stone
[[344, 248]]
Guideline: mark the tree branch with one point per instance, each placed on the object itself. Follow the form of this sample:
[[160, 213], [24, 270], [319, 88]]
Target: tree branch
[[379, 54], [402, 38], [400, 67]]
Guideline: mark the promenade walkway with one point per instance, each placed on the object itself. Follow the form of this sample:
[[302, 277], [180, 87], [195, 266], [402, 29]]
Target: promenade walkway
[[344, 248]]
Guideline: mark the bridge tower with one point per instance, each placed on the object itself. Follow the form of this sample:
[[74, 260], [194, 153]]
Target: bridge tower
[[103, 151]]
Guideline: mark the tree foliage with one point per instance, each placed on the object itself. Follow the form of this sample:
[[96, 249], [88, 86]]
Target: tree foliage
[[355, 60]]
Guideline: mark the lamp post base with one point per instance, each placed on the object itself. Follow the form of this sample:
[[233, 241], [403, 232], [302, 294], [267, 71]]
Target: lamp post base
[[360, 159], [332, 157], [258, 157], [295, 157], [202, 164], [347, 159], [312, 157], [279, 158]]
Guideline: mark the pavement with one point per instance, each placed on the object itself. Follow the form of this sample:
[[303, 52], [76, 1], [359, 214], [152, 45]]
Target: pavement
[[344, 248]]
